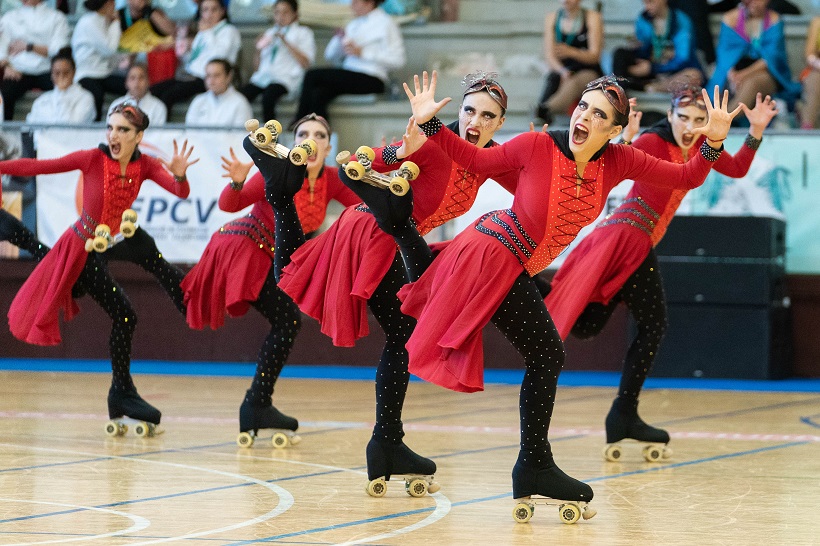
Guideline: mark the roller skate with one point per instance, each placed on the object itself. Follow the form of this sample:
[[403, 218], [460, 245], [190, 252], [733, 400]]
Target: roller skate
[[359, 167], [386, 460], [623, 423], [266, 139], [128, 225], [282, 180], [127, 407], [549, 486], [252, 418]]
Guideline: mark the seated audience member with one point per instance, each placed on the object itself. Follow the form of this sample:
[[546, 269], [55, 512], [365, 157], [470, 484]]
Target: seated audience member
[[283, 53], [698, 12], [67, 102], [94, 45], [221, 105], [573, 38], [366, 50], [663, 55], [216, 38], [751, 55], [29, 36], [811, 78], [136, 81]]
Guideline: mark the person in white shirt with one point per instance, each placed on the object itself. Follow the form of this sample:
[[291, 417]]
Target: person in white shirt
[[221, 105], [368, 48], [283, 53], [215, 39], [68, 102], [29, 36], [136, 81], [94, 43]]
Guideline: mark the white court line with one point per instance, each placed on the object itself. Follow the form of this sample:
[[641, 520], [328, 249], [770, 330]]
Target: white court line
[[140, 522], [285, 498], [442, 509]]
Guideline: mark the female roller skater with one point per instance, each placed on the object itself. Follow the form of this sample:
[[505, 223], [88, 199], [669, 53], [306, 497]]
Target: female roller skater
[[485, 273], [112, 177], [617, 263], [235, 271], [354, 264]]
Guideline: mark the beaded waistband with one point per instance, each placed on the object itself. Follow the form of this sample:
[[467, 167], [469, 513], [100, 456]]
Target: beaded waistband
[[514, 237], [641, 216], [253, 228]]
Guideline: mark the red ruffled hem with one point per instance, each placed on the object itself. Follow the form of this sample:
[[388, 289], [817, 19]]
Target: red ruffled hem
[[332, 276], [594, 272], [228, 278]]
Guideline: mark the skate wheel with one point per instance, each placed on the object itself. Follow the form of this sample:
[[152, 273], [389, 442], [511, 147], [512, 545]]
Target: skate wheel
[[365, 154], [298, 156], [143, 430], [310, 146], [279, 440], [415, 487], [274, 127], [522, 513], [433, 487], [399, 186], [129, 215], [343, 157], [127, 229], [251, 125], [100, 244], [262, 137], [114, 429], [376, 488], [667, 452], [295, 439], [652, 454], [612, 453], [355, 170], [102, 230], [245, 439], [569, 513], [410, 170], [589, 513], [89, 245]]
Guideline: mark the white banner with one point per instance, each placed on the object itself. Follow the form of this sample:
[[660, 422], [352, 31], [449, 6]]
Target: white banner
[[181, 227]]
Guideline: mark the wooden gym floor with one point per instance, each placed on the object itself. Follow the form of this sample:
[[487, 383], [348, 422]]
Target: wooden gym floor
[[745, 467]]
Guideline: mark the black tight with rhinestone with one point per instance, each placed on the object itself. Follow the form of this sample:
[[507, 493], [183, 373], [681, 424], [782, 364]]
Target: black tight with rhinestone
[[644, 297], [392, 376], [142, 250], [13, 231], [285, 321], [523, 319]]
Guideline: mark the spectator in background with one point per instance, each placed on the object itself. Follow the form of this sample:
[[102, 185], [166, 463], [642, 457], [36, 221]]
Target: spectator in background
[[139, 10], [29, 36], [283, 53], [367, 49], [68, 102], [811, 78], [698, 12], [751, 55], [221, 105], [664, 51], [147, 34], [573, 39], [94, 44], [136, 81], [216, 38], [783, 7]]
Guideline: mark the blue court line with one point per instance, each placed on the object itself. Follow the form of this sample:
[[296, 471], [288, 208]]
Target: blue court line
[[811, 420], [506, 377], [508, 495], [743, 411]]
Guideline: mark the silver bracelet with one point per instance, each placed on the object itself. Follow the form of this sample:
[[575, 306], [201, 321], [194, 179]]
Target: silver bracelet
[[752, 142], [709, 153], [431, 126]]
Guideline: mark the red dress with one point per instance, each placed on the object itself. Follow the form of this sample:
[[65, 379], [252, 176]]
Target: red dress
[[598, 267], [466, 283], [235, 265], [34, 313], [332, 276]]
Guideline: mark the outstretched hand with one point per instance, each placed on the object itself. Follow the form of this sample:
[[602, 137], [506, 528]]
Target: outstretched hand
[[761, 115], [720, 118], [634, 126], [235, 169], [179, 161], [412, 140], [543, 128], [422, 101]]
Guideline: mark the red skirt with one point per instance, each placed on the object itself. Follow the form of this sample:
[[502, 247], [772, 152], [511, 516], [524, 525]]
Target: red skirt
[[228, 278], [453, 301], [34, 315], [332, 276], [595, 271]]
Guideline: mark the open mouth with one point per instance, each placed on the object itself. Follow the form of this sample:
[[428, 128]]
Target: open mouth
[[687, 139], [579, 134], [472, 136], [115, 149]]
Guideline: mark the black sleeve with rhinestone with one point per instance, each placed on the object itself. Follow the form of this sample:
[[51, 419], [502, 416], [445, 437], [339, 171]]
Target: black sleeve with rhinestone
[[389, 154], [752, 142], [709, 153], [431, 126]]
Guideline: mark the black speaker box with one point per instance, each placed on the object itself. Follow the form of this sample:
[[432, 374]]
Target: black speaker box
[[727, 282], [724, 236], [720, 341]]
